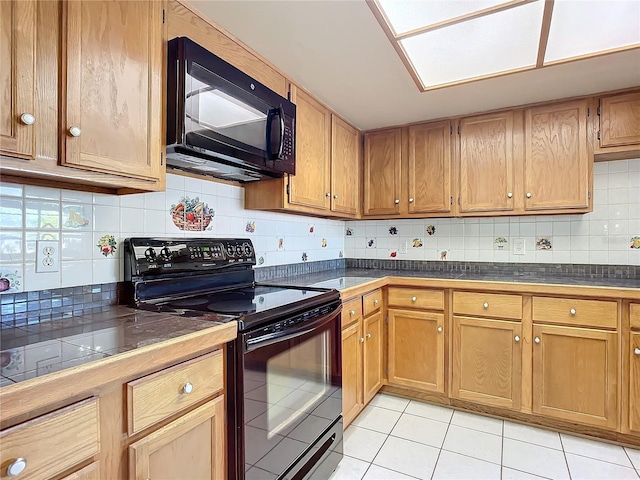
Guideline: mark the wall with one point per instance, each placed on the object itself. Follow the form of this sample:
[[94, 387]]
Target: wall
[[601, 237], [80, 219]]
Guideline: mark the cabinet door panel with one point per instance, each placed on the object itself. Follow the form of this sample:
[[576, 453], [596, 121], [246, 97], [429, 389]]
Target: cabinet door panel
[[416, 350], [310, 185], [17, 76], [486, 361], [557, 159], [112, 86], [372, 355], [351, 373], [430, 168], [634, 384], [620, 120], [486, 163], [345, 191], [382, 176], [574, 374]]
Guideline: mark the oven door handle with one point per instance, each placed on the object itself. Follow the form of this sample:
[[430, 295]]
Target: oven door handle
[[252, 344]]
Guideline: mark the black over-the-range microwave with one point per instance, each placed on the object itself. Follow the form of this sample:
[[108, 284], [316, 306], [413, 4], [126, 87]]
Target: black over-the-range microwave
[[223, 123]]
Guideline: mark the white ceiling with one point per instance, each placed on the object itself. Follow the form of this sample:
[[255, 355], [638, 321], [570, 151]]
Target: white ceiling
[[337, 50]]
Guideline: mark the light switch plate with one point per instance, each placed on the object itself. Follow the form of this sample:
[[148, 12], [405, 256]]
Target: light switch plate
[[47, 256], [518, 246]]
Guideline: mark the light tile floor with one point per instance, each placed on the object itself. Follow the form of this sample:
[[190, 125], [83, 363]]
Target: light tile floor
[[396, 438]]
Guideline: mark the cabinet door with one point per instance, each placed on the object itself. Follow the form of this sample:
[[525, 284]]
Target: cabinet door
[[191, 446], [310, 185], [486, 163], [487, 356], [634, 385], [574, 374], [416, 349], [557, 161], [345, 181], [372, 356], [351, 372], [17, 77], [429, 171], [382, 175], [112, 87], [620, 120], [90, 472]]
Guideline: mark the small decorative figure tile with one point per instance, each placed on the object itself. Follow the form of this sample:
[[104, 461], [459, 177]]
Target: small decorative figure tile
[[251, 227], [10, 280], [191, 215], [281, 244], [12, 361], [393, 231], [261, 260], [304, 256], [443, 254], [324, 242], [544, 243], [500, 243], [349, 232], [74, 219], [417, 243], [431, 229], [635, 242], [107, 245], [393, 254], [312, 228], [341, 254], [371, 243]]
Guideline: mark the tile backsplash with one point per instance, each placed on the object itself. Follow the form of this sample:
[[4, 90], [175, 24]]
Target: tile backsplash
[[84, 223], [609, 235]]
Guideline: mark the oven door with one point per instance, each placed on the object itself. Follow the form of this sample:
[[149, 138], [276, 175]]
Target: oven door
[[289, 385]]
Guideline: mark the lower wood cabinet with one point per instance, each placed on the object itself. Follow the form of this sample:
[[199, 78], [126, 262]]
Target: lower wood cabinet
[[416, 349], [372, 355], [575, 374], [634, 383], [192, 446], [352, 400], [487, 357], [90, 472]]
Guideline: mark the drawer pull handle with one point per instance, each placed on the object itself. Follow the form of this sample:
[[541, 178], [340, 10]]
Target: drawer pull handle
[[509, 195], [517, 338], [375, 301], [414, 299], [27, 119], [368, 335], [439, 329], [352, 312], [572, 311], [485, 305], [361, 339], [636, 351], [188, 388], [397, 201], [75, 131], [411, 200], [537, 339], [16, 467]]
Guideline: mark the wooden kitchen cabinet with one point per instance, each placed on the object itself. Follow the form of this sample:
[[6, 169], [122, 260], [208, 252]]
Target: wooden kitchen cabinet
[[191, 446], [558, 157], [345, 178], [634, 382], [17, 78], [352, 399], [90, 472], [372, 355], [618, 135], [382, 172]]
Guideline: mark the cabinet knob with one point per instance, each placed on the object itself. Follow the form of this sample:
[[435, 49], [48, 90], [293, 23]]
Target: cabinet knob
[[439, 329], [636, 351], [509, 195], [528, 194], [396, 201], [413, 299], [572, 311], [537, 339], [352, 312], [335, 196], [485, 305], [188, 388], [517, 338], [375, 301], [368, 335], [27, 119], [16, 467], [328, 194], [75, 131], [361, 339], [411, 200]]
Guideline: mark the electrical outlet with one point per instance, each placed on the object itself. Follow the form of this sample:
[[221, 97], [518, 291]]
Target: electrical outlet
[[518, 246], [47, 256], [402, 249]]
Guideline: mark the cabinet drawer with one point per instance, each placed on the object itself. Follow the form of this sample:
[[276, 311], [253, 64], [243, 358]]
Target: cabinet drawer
[[162, 394], [590, 313], [371, 302], [635, 315], [52, 443], [488, 305], [416, 298], [351, 312]]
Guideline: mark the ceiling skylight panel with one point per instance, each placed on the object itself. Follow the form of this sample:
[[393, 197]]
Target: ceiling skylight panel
[[488, 45], [581, 28]]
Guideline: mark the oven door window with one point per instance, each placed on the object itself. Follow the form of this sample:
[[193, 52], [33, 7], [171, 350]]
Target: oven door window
[[292, 394]]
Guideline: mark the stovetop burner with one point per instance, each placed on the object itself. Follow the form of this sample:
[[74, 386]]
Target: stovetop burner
[[189, 302]]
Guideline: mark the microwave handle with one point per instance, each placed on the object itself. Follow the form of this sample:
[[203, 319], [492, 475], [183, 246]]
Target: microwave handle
[[272, 113], [281, 114]]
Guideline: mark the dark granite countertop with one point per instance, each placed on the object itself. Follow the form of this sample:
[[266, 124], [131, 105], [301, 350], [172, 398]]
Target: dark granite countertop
[[37, 349]]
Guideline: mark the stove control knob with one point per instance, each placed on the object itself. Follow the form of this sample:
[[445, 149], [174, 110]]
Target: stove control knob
[[239, 252], [165, 253], [150, 254], [248, 250], [230, 249]]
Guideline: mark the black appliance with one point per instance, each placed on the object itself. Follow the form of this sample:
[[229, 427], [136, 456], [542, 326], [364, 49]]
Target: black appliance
[[223, 123], [284, 370]]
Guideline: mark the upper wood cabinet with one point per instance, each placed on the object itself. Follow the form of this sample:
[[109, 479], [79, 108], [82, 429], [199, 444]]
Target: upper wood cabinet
[[618, 134], [429, 168], [17, 78], [345, 178], [112, 89], [486, 160], [557, 160], [382, 172]]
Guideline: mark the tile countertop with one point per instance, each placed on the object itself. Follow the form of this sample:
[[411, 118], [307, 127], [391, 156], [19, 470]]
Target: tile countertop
[[34, 350]]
